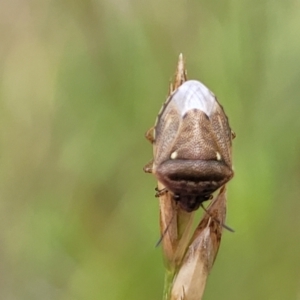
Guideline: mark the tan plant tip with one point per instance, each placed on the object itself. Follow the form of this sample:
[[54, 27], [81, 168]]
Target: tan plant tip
[[181, 74]]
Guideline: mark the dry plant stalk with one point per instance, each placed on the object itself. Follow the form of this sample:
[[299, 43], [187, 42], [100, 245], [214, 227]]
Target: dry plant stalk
[[190, 280], [188, 257]]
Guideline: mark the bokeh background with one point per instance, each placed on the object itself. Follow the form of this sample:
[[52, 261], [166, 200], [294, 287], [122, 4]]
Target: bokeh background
[[81, 82]]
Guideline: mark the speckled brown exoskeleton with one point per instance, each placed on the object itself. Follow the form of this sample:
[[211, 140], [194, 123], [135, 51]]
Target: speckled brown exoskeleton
[[192, 145]]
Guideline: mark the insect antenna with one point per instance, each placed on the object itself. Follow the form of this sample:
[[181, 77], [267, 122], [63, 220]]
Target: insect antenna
[[165, 232], [216, 220]]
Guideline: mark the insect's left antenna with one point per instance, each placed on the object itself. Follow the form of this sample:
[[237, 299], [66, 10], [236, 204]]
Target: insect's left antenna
[[216, 220]]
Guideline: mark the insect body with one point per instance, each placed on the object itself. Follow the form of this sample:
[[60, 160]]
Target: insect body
[[192, 145]]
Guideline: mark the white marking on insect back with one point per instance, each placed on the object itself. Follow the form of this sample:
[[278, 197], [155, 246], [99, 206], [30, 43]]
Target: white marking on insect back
[[193, 94], [174, 155], [218, 156]]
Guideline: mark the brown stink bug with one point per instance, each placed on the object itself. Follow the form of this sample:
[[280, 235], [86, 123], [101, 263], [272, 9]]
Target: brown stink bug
[[192, 145]]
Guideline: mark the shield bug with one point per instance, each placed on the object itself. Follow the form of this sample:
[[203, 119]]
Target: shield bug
[[192, 145]]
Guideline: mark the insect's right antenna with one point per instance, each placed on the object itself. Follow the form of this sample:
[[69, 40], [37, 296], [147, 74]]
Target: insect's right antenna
[[165, 232]]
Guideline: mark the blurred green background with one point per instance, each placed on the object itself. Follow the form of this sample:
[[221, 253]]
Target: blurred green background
[[81, 82]]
